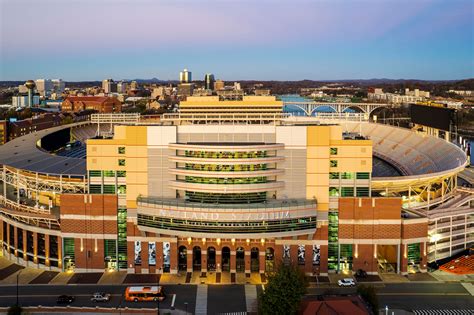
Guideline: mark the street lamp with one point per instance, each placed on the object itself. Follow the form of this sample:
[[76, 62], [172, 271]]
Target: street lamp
[[386, 309], [186, 306]]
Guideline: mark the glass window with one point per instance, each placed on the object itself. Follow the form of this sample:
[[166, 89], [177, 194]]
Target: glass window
[[333, 151], [121, 162], [333, 163], [95, 189], [109, 173], [95, 173], [334, 175], [363, 175], [121, 150], [362, 191], [347, 175], [333, 192], [121, 174], [109, 189], [347, 191], [122, 189]]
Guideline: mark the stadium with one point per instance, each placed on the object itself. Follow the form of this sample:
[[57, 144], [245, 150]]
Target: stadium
[[232, 193]]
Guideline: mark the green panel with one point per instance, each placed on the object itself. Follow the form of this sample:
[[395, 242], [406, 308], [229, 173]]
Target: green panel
[[334, 175], [414, 253], [333, 225], [95, 189], [347, 191], [109, 173], [122, 237], [363, 175], [109, 189], [229, 181], [333, 192], [121, 173], [226, 198], [95, 173], [69, 247], [347, 175], [362, 191], [110, 248], [122, 189]]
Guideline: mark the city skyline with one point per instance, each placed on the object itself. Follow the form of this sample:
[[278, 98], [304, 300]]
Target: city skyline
[[237, 40]]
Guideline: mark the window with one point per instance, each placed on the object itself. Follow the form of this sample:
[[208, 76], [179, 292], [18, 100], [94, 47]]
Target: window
[[333, 163], [362, 175], [95, 189], [347, 175], [109, 189], [121, 150], [109, 173], [333, 151], [121, 162], [95, 173], [121, 174], [347, 191], [362, 191], [122, 189], [333, 192], [334, 175]]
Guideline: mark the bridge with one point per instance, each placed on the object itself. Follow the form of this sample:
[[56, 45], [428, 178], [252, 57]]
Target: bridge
[[310, 107]]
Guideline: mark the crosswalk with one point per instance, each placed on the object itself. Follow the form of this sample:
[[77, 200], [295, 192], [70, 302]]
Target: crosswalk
[[251, 298], [201, 300], [443, 312]]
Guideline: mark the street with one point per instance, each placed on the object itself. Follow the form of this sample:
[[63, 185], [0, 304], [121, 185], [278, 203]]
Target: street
[[231, 298]]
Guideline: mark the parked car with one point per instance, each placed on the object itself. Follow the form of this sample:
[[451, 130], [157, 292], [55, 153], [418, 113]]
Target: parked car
[[361, 273], [65, 299], [100, 297], [347, 282]]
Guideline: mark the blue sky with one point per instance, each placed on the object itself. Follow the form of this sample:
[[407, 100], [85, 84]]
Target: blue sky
[[237, 39]]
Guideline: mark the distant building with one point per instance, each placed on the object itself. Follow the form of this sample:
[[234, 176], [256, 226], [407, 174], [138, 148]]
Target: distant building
[[262, 92], [209, 81], [134, 85], [58, 85], [377, 94], [44, 87], [185, 76], [22, 100], [462, 92], [158, 92], [109, 86], [102, 104], [185, 89], [219, 85], [237, 86], [3, 132], [122, 87], [22, 89], [23, 127]]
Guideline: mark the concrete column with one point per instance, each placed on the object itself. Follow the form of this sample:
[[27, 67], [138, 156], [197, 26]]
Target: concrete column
[[233, 261], [46, 250], [204, 260], [25, 240], [15, 241], [423, 261], [247, 261], [144, 255], [35, 247], [8, 237], [189, 260], [399, 249], [261, 261], [218, 261], [173, 257], [294, 254], [323, 267], [308, 259], [130, 257], [159, 257]]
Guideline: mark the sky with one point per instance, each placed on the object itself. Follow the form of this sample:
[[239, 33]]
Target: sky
[[80, 40]]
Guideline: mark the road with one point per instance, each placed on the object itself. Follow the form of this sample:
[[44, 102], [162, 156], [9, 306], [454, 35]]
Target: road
[[231, 298]]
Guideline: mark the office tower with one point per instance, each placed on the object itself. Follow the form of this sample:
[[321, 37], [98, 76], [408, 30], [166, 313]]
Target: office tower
[[209, 81], [185, 76], [109, 86], [44, 87], [58, 85]]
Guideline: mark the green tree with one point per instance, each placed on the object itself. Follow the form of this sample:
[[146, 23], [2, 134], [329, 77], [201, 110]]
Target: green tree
[[284, 291], [369, 294], [14, 310]]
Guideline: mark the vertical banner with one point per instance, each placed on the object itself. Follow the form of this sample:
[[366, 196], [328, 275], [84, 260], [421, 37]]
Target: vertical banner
[[152, 253], [301, 253], [138, 253], [316, 255], [166, 256], [286, 251]]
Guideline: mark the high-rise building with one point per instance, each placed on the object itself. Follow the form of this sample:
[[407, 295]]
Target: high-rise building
[[209, 81], [185, 76], [109, 86], [121, 87], [44, 87], [58, 85]]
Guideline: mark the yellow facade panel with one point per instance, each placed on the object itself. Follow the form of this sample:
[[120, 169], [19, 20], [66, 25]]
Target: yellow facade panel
[[318, 135], [317, 152]]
